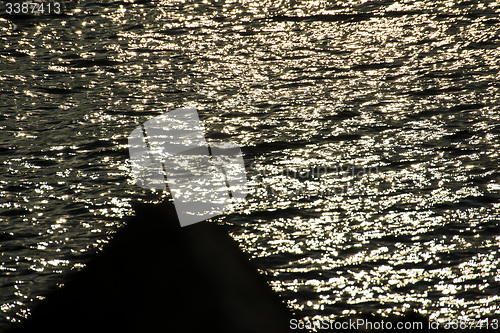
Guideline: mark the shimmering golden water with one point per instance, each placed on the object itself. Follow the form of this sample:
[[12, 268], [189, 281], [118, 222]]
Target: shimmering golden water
[[407, 91]]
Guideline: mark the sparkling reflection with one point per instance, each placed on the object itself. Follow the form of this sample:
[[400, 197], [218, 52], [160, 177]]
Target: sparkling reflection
[[404, 93]]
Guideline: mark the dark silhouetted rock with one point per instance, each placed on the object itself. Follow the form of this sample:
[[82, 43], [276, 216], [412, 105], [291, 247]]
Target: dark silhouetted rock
[[155, 276]]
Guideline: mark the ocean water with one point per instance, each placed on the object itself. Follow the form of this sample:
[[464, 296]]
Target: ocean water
[[370, 132]]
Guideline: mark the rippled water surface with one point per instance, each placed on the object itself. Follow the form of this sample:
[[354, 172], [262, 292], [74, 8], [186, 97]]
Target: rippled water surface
[[370, 131]]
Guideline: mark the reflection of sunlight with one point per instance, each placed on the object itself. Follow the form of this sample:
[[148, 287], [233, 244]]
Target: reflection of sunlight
[[298, 85]]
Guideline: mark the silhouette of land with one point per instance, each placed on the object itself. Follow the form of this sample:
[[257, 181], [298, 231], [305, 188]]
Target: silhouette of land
[[154, 276]]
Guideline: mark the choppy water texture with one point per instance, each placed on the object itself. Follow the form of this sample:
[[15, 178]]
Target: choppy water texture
[[404, 94]]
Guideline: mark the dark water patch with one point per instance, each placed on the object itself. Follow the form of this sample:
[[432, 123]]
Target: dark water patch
[[324, 18], [444, 206], [58, 91], [479, 201], [434, 91], [175, 31], [14, 53], [105, 4], [345, 114], [491, 21], [463, 107], [85, 63], [489, 228], [372, 130], [456, 109], [373, 66], [273, 214], [7, 151], [355, 267], [445, 74], [347, 17], [459, 135], [452, 228], [110, 151], [5, 236], [455, 152], [43, 162], [18, 248], [281, 260], [296, 84], [424, 41], [70, 55], [100, 143], [76, 208], [15, 212], [134, 27], [337, 138], [487, 44], [13, 188], [484, 178], [308, 275], [50, 153], [401, 164]]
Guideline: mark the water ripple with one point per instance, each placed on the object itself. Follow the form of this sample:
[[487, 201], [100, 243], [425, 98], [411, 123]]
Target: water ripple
[[369, 131]]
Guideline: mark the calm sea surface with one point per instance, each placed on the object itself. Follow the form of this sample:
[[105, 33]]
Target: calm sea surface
[[371, 134]]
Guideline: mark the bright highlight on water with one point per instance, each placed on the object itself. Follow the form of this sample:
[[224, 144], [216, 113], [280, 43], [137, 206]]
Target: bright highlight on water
[[408, 90]]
